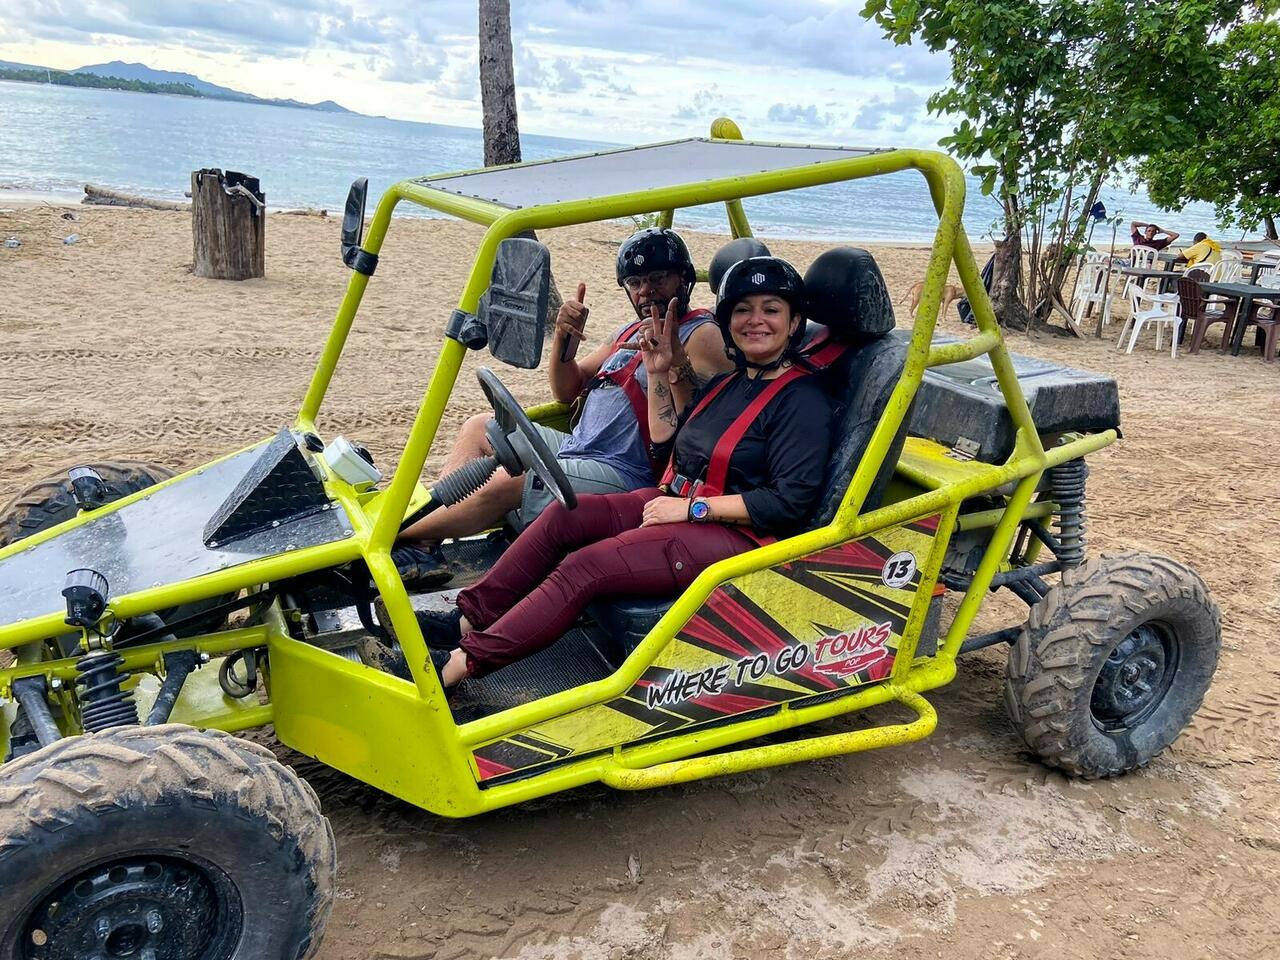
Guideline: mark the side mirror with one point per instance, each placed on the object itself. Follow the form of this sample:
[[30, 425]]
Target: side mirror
[[353, 220], [514, 308]]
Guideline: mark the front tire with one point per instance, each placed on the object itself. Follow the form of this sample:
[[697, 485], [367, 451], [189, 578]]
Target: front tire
[[49, 502], [1113, 664], [161, 841]]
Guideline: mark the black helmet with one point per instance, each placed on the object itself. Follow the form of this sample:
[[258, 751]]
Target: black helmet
[[655, 249], [759, 275], [731, 253]]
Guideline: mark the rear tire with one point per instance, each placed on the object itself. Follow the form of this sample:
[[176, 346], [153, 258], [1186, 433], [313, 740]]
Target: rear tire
[[185, 844], [1113, 663]]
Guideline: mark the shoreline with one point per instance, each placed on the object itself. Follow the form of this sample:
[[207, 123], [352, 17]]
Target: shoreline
[[21, 198]]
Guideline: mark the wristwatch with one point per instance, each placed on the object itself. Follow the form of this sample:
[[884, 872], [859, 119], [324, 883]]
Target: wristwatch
[[699, 510]]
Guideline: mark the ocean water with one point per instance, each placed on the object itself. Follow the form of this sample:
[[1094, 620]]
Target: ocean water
[[55, 139]]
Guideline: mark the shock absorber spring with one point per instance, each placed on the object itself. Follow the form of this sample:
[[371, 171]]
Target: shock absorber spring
[[1066, 487], [103, 704]]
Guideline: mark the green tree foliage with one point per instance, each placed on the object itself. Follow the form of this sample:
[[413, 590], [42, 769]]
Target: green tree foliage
[[1053, 96], [64, 79], [1234, 163]]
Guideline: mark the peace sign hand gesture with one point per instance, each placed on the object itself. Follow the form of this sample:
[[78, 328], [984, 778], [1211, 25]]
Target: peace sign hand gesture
[[658, 341]]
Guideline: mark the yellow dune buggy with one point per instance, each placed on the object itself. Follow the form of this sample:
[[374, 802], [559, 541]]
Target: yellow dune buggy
[[149, 616]]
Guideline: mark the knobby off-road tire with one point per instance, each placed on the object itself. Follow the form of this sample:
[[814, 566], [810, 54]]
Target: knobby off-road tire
[[1113, 664], [189, 845], [49, 502]]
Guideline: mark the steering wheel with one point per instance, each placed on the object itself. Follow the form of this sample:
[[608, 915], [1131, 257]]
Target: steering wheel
[[517, 445]]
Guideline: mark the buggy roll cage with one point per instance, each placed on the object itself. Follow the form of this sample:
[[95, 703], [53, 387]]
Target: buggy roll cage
[[446, 781]]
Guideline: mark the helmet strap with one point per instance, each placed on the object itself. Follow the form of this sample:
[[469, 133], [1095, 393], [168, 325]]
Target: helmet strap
[[783, 359]]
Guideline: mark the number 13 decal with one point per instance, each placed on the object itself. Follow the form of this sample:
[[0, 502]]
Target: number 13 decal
[[899, 570]]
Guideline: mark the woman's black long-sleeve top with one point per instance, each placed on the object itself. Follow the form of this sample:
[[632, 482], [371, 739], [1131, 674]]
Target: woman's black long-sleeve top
[[779, 465]]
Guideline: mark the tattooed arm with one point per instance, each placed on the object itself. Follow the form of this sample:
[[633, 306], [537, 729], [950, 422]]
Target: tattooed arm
[[665, 405], [665, 408], [705, 353], [684, 382]]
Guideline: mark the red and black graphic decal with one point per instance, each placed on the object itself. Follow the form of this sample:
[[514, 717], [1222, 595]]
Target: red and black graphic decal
[[522, 750], [757, 642]]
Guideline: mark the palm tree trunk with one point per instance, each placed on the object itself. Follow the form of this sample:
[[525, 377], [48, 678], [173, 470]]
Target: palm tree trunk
[[498, 85], [498, 102]]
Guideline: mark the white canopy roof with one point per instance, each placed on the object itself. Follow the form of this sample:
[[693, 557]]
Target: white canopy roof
[[631, 170]]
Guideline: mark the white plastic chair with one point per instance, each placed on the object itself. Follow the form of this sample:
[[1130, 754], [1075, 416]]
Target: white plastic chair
[[1164, 309], [1271, 280], [1229, 269], [1270, 259], [1091, 290], [1143, 258], [1225, 270]]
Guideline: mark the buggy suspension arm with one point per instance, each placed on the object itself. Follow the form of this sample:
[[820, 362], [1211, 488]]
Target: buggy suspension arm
[[777, 754]]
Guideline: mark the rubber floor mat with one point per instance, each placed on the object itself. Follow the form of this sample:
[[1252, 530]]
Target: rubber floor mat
[[569, 662], [470, 559]]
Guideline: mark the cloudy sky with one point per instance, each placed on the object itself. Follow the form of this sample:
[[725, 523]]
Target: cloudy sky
[[610, 70]]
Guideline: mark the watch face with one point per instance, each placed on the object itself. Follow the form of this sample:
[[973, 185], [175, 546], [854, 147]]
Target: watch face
[[700, 510]]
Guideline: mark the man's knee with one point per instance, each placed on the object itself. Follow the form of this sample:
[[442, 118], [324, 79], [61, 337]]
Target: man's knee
[[473, 430]]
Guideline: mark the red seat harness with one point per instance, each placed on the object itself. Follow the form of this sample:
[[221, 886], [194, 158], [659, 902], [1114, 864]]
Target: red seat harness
[[818, 355], [625, 378]]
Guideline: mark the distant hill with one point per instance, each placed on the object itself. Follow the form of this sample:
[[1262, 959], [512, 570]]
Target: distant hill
[[139, 71], [145, 74], [140, 77]]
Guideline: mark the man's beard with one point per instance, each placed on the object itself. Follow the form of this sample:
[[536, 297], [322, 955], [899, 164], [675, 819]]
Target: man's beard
[[645, 307]]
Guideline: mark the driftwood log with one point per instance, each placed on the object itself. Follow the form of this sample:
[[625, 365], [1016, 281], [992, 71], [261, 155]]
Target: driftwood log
[[104, 196], [228, 225]]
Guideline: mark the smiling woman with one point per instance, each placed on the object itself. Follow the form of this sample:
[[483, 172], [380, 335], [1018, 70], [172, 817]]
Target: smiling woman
[[758, 309]]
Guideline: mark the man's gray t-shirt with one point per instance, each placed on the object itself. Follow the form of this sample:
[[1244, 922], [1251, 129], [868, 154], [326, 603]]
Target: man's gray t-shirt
[[607, 431]]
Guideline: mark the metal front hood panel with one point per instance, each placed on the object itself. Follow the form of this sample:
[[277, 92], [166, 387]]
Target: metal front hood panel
[[153, 542]]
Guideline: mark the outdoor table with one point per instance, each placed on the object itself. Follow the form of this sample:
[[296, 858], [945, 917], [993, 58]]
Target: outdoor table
[[1166, 277], [1169, 258], [1246, 293]]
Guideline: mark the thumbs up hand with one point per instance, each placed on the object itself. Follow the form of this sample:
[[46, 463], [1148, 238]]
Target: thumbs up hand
[[571, 323]]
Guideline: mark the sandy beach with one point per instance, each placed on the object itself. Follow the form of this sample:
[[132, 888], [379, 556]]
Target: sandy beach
[[960, 846]]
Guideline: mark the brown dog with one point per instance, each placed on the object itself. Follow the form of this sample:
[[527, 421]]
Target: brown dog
[[950, 294]]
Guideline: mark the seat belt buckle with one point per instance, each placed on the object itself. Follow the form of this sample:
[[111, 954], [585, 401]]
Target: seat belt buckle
[[682, 486]]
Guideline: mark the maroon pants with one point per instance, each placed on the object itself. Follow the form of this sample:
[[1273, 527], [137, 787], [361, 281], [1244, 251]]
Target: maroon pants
[[567, 558]]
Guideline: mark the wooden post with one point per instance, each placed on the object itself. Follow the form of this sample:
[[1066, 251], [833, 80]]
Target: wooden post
[[228, 225]]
